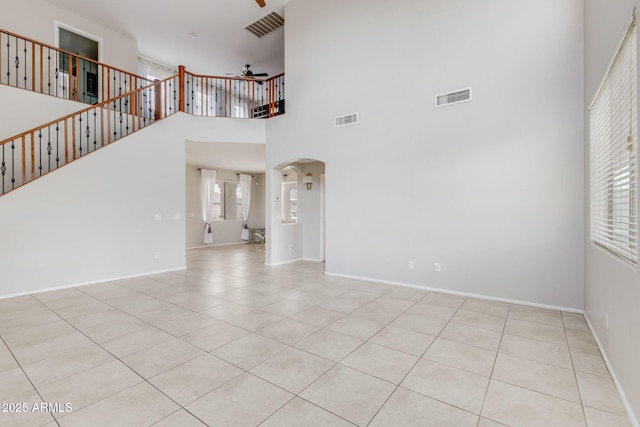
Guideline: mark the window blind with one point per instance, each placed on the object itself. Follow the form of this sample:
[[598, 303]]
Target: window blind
[[613, 148]]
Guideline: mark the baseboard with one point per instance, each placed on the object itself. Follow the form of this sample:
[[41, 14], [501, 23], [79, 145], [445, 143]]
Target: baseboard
[[463, 294], [625, 402], [283, 262], [94, 282], [242, 242]]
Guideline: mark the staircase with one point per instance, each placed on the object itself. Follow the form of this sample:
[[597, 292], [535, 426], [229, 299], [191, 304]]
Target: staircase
[[121, 103]]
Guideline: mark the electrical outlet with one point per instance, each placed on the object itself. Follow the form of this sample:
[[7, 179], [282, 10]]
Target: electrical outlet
[[290, 246], [157, 255], [158, 217], [410, 265], [437, 267]]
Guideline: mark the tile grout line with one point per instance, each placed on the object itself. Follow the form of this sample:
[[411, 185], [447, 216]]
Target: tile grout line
[[28, 378], [397, 386], [119, 360], [486, 391]]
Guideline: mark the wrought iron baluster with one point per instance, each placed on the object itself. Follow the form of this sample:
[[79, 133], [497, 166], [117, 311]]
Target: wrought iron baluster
[[49, 148], [80, 128], [143, 107], [49, 71], [215, 93], [8, 56], [127, 115], [115, 131], [40, 151], [64, 69], [13, 164], [3, 167], [115, 80], [57, 72], [196, 101], [187, 91], [17, 62], [95, 129], [25, 64], [175, 99], [57, 145], [84, 79]]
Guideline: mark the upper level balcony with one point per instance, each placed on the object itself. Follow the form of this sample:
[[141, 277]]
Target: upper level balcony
[[120, 103]]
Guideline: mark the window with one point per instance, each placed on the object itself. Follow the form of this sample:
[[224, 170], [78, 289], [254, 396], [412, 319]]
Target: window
[[613, 147], [227, 201]]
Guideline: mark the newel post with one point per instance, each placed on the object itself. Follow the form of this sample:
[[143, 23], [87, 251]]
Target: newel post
[[157, 87], [181, 91]]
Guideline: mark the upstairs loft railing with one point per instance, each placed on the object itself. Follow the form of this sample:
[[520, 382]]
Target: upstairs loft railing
[[44, 149], [122, 104], [237, 97], [38, 67], [35, 66]]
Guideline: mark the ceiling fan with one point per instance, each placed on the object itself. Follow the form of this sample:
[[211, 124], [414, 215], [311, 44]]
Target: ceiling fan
[[261, 3], [248, 74]]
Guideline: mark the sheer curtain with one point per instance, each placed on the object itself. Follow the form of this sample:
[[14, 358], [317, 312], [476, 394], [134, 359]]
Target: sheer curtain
[[245, 190], [207, 188], [149, 69]]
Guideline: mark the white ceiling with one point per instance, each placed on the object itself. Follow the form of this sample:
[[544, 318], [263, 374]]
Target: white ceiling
[[162, 29], [227, 156], [222, 45]]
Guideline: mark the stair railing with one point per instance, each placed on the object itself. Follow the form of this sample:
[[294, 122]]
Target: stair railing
[[35, 66], [216, 96], [36, 152]]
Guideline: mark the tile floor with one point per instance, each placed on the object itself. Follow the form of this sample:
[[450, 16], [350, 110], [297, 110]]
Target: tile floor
[[231, 342]]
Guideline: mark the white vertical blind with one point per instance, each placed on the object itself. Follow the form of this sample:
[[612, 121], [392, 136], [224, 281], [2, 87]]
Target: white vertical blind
[[613, 146]]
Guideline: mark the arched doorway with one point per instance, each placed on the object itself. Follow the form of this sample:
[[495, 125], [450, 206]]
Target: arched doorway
[[296, 216]]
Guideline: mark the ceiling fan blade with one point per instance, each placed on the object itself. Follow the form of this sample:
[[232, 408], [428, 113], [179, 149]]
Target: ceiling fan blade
[[260, 75], [261, 3]]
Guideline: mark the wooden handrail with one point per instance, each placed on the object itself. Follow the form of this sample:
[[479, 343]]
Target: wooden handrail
[[241, 96], [68, 116], [48, 46], [234, 77], [77, 79], [36, 152]]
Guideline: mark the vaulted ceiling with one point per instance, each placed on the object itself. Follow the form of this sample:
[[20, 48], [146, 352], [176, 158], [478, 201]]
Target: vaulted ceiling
[[164, 31]]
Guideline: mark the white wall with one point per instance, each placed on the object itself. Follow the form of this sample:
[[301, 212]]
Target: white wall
[[257, 206], [309, 211], [226, 231], [23, 110], [95, 219], [35, 19], [612, 287], [224, 129], [493, 188]]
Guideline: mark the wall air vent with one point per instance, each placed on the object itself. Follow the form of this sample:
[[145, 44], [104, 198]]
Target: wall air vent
[[265, 25], [456, 97], [349, 119]]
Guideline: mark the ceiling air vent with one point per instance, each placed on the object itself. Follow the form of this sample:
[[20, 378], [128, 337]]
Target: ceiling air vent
[[458, 96], [265, 25], [349, 119]]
